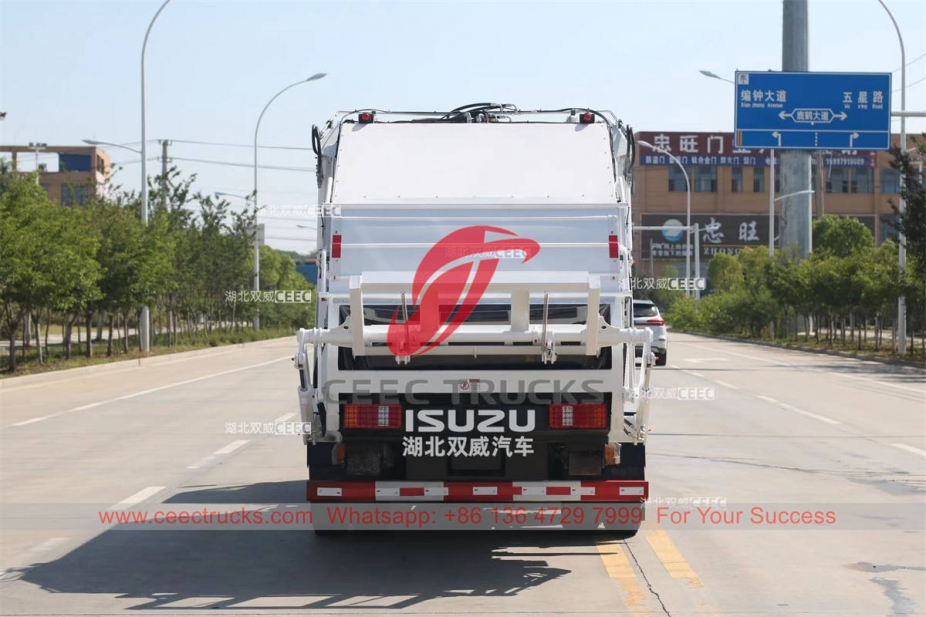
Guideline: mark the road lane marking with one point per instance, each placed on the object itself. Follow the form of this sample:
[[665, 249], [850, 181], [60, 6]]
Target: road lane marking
[[138, 497], [883, 383], [672, 559], [742, 355], [809, 414], [904, 446], [220, 452], [144, 392], [802, 412], [695, 374], [284, 418], [726, 385], [619, 569], [231, 447], [32, 421], [30, 557]]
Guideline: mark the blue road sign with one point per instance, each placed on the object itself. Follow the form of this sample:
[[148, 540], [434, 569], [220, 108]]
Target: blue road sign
[[813, 111]]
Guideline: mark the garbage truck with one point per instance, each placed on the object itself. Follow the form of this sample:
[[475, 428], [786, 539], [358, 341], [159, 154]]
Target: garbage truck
[[473, 339]]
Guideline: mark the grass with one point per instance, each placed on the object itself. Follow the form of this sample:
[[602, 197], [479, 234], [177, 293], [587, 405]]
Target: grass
[[55, 361]]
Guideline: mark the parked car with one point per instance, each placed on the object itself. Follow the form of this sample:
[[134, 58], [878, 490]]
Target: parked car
[[646, 314]]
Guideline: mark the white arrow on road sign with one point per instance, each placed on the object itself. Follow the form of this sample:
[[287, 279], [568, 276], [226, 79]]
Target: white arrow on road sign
[[778, 135], [852, 138]]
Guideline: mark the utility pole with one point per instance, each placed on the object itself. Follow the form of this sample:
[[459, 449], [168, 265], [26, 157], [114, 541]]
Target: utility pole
[[164, 160], [37, 147], [796, 221]]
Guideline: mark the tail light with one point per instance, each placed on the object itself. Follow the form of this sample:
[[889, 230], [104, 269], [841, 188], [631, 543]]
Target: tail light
[[586, 117], [365, 117], [613, 247], [372, 416], [336, 246], [579, 415], [654, 321]]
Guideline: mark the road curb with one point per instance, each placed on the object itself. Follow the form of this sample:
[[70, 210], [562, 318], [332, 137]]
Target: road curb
[[825, 352], [52, 376]]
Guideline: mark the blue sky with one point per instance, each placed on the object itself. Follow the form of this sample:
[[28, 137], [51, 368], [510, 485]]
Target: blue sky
[[69, 70]]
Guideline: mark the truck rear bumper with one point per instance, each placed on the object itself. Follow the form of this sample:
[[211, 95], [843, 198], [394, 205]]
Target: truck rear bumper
[[398, 491]]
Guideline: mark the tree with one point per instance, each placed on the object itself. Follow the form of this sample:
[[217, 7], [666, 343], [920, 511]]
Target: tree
[[724, 273], [840, 236]]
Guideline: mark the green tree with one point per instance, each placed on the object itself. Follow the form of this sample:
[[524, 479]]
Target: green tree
[[724, 273], [840, 236]]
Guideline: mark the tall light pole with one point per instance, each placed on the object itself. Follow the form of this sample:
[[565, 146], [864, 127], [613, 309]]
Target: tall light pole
[[37, 147], [256, 207], [902, 249], [687, 209], [771, 217], [144, 327]]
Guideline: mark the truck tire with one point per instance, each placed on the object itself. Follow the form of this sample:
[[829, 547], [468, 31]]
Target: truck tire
[[661, 360]]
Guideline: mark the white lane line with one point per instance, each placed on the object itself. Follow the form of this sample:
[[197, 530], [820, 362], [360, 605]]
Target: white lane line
[[695, 374], [32, 421], [31, 556], [726, 385], [810, 414], [144, 392], [742, 355], [904, 446], [90, 406], [284, 418], [883, 383], [802, 412], [138, 497], [231, 447], [220, 452]]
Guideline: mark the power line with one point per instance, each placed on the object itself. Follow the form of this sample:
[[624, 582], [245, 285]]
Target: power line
[[248, 165], [217, 143], [913, 84], [919, 57]]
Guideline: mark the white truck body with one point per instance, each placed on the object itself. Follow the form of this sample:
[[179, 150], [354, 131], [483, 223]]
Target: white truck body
[[520, 223]]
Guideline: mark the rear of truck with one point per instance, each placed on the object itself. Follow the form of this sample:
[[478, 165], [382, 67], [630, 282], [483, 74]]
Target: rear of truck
[[474, 337]]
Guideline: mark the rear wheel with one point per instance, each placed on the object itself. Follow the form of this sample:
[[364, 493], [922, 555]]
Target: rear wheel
[[662, 358]]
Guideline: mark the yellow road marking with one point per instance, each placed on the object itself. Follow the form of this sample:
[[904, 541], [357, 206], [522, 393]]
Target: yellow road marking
[[672, 559], [619, 569]]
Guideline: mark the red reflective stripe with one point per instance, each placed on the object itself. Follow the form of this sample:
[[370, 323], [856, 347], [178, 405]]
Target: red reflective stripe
[[613, 250], [603, 491], [336, 246]]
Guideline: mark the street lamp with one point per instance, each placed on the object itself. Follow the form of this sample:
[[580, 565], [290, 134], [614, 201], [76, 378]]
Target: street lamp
[[223, 194], [713, 75], [314, 77], [771, 217], [687, 209], [902, 249], [144, 330], [94, 142], [37, 147]]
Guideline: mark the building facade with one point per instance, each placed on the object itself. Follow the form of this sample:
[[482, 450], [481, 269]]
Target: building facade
[[68, 177], [730, 195]]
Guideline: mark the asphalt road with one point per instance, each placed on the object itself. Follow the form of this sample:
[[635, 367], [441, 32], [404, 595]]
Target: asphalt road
[[785, 430]]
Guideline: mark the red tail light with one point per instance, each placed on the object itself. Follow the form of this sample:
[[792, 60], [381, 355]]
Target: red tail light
[[579, 415], [372, 416], [613, 247], [366, 117], [336, 246], [655, 321], [586, 117]]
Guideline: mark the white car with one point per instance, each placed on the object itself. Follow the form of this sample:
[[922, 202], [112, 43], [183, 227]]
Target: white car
[[646, 314]]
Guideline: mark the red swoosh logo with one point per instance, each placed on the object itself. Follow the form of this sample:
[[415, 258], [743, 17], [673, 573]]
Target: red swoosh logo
[[445, 293]]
